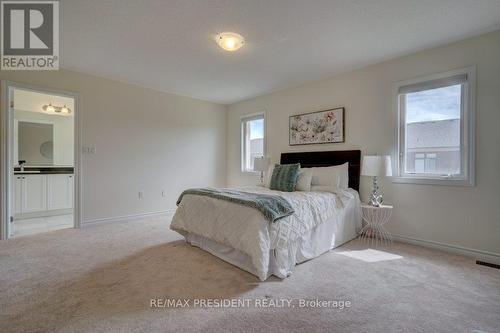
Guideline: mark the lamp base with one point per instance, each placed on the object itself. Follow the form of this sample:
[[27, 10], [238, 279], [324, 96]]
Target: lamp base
[[376, 198]]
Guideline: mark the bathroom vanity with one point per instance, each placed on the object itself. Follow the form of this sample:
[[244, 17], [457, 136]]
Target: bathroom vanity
[[42, 191]]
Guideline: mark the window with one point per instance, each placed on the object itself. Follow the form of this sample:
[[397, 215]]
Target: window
[[436, 129], [253, 140]]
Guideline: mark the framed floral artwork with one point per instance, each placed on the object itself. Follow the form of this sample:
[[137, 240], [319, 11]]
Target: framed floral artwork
[[317, 127]]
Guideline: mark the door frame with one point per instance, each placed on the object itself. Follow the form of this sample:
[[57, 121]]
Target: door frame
[[7, 150]]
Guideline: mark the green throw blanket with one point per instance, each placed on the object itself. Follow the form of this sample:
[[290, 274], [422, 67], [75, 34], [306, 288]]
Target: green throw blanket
[[273, 207]]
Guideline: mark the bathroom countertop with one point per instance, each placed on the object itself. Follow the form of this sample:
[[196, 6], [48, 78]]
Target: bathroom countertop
[[44, 173], [43, 170]]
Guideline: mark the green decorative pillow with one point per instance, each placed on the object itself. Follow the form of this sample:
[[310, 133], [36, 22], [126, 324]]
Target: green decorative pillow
[[284, 177]]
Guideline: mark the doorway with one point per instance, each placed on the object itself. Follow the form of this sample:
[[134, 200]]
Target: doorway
[[40, 157]]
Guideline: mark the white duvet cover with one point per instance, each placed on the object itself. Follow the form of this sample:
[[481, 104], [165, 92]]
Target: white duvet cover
[[245, 229]]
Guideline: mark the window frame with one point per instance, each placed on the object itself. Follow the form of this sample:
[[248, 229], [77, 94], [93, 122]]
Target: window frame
[[243, 133], [467, 131]]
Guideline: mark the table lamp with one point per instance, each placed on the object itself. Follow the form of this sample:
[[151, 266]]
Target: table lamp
[[261, 164], [376, 166]]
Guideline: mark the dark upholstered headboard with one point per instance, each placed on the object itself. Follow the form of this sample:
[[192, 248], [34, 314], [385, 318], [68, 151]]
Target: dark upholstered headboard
[[328, 158]]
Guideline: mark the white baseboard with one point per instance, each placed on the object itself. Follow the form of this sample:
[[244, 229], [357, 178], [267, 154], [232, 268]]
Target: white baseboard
[[486, 256], [43, 213], [165, 213]]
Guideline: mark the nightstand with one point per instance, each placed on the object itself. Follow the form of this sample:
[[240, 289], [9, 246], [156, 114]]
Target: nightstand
[[375, 218]]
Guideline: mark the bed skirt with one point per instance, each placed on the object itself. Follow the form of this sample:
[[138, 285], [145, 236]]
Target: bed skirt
[[317, 241]]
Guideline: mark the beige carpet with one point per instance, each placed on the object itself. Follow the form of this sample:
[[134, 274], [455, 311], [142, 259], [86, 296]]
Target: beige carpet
[[102, 278]]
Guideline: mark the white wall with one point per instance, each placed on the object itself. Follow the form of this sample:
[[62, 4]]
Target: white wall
[[144, 139], [461, 216]]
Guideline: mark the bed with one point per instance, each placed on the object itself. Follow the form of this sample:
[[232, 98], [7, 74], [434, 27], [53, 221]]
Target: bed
[[242, 236]]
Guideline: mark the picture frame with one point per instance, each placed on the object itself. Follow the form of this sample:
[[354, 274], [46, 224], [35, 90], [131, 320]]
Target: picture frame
[[318, 127]]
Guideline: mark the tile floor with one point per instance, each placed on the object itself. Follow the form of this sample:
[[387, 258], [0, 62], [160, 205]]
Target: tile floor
[[40, 224]]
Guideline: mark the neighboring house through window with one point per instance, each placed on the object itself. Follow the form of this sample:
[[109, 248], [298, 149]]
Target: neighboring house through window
[[253, 140], [433, 147], [436, 132], [425, 163]]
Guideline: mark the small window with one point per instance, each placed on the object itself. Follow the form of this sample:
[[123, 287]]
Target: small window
[[253, 140], [435, 130]]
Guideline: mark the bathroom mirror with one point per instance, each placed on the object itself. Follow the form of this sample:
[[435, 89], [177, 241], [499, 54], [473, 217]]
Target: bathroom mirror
[[36, 143]]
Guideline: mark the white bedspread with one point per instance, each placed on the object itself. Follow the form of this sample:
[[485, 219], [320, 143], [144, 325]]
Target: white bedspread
[[246, 229]]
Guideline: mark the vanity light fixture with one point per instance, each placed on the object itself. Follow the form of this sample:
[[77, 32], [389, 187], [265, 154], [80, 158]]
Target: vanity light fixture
[[49, 108], [56, 109], [65, 110], [230, 41]]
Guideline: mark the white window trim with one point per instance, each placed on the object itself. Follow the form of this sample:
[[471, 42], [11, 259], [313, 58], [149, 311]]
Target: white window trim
[[467, 124], [244, 118]]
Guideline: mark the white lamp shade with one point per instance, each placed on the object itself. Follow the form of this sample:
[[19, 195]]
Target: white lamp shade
[[376, 165], [261, 163]]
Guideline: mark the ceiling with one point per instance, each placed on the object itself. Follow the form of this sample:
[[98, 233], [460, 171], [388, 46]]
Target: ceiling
[[169, 46]]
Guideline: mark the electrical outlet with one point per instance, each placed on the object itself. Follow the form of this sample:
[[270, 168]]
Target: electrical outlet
[[141, 195], [163, 193]]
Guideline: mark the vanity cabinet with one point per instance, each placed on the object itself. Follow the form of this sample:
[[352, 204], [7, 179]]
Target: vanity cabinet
[[34, 197], [17, 194], [45, 194], [59, 191]]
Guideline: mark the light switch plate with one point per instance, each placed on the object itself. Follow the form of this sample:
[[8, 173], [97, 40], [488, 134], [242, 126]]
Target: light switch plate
[[88, 150]]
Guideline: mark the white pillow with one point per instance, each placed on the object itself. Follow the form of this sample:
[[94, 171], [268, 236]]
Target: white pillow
[[268, 176], [304, 180], [332, 189], [336, 176], [323, 188]]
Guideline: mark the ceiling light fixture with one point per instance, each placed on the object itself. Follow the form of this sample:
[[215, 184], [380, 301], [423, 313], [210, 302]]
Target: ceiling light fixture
[[230, 41]]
